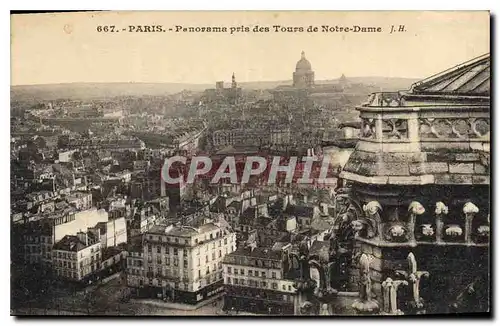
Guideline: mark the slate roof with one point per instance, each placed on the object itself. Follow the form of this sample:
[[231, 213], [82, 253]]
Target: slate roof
[[259, 252], [469, 78], [72, 243]]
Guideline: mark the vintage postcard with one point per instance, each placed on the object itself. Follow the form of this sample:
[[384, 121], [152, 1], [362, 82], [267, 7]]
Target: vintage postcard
[[250, 163]]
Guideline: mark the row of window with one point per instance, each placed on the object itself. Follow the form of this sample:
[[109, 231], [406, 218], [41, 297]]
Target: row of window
[[212, 236], [257, 284], [178, 286], [176, 251], [241, 271], [66, 273], [47, 240], [252, 283], [245, 261], [175, 261]]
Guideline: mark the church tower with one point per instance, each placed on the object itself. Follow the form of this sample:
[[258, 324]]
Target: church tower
[[233, 82]]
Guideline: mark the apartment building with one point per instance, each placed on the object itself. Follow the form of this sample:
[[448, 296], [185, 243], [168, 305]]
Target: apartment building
[[181, 263], [255, 280], [39, 236], [77, 257]]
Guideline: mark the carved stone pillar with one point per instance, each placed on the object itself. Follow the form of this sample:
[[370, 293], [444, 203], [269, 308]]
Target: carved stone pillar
[[415, 209], [378, 127], [470, 211], [441, 211], [391, 287]]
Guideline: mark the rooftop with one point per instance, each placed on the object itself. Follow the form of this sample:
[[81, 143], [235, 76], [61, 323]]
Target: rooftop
[[258, 252]]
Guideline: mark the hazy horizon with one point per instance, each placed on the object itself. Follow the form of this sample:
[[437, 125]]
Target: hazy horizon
[[227, 81]]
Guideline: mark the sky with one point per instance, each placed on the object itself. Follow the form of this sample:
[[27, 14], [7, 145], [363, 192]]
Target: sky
[[66, 47]]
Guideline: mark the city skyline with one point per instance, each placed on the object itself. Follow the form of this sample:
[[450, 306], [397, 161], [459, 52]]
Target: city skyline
[[84, 55]]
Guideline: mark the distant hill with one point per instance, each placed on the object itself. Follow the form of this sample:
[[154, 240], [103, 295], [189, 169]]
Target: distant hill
[[106, 90]]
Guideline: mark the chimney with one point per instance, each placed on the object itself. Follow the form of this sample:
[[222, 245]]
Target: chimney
[[83, 237]]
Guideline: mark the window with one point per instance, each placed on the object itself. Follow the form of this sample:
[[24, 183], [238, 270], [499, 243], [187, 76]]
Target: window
[[198, 261], [185, 263], [263, 284], [196, 240], [206, 259], [242, 271], [149, 247], [159, 272], [229, 270], [228, 280], [220, 253], [275, 286], [263, 274], [225, 241], [211, 236], [176, 262], [250, 272], [273, 274], [176, 240], [213, 255], [199, 273], [235, 281], [242, 281], [235, 271], [158, 260], [186, 242], [167, 260], [176, 252], [289, 288], [158, 250], [220, 243]]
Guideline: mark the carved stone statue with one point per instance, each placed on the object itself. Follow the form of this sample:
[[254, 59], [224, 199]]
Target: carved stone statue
[[365, 304], [371, 222], [414, 276], [304, 285]]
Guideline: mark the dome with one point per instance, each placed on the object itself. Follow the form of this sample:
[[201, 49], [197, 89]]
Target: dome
[[303, 63]]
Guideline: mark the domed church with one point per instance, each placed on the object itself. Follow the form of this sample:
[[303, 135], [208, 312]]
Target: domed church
[[303, 77]]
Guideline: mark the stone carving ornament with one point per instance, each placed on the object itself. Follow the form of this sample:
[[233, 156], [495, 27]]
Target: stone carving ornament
[[370, 225], [455, 128], [365, 303]]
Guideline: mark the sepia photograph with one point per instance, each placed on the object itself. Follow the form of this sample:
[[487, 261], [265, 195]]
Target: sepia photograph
[[250, 163]]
